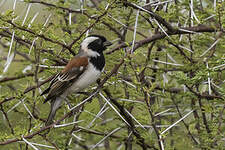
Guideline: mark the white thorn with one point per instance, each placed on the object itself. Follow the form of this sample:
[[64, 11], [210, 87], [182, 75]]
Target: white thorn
[[135, 30], [115, 130], [28, 10], [134, 118], [114, 108], [168, 63], [30, 144], [67, 124], [176, 122], [210, 47]]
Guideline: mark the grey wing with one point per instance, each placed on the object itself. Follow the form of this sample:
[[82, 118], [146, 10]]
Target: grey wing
[[62, 81]]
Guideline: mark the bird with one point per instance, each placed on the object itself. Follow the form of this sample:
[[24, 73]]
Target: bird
[[79, 73]]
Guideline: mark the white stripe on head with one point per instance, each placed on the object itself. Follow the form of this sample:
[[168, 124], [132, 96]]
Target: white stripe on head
[[84, 46]]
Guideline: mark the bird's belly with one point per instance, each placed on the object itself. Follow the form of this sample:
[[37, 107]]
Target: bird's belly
[[88, 77]]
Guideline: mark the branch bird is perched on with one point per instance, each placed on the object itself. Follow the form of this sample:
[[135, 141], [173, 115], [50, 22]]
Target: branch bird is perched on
[[81, 71]]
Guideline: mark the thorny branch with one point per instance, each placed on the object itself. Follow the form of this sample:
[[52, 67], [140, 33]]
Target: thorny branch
[[153, 84]]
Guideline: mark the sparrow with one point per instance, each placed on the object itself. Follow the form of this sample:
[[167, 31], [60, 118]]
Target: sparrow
[[80, 72]]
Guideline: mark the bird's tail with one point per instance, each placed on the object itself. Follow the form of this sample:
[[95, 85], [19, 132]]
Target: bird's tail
[[55, 104]]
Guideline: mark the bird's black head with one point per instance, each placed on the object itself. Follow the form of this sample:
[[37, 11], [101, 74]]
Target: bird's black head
[[97, 43]]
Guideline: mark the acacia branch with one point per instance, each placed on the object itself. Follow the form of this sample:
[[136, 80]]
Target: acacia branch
[[141, 140], [185, 124], [160, 35], [54, 6], [152, 14], [37, 34], [16, 77]]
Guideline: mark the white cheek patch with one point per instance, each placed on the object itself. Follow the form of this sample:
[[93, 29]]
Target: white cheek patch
[[84, 46], [92, 53], [86, 42]]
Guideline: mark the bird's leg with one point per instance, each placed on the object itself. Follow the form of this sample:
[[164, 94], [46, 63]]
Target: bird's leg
[[68, 103], [70, 106]]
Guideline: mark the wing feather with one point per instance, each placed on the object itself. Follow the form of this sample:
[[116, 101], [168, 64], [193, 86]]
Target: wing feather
[[66, 78]]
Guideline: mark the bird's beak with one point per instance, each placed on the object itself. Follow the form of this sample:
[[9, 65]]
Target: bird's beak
[[107, 43]]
